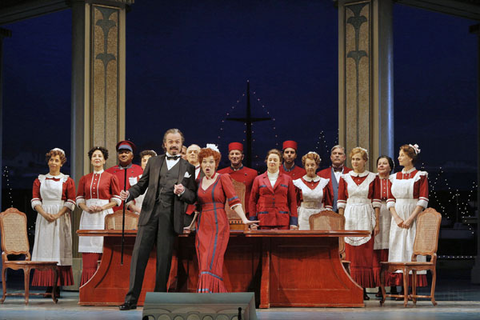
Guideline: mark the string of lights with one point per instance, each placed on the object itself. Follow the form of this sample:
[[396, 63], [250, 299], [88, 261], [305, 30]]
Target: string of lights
[[7, 180]]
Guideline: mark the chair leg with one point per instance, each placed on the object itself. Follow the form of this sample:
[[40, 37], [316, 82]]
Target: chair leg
[[4, 284], [382, 285], [26, 274], [405, 287], [434, 281], [54, 290], [414, 286]]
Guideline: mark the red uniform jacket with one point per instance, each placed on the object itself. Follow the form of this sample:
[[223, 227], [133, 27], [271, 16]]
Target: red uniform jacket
[[295, 173], [274, 207], [133, 173]]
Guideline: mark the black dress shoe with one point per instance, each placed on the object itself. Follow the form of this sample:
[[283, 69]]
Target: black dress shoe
[[128, 306]]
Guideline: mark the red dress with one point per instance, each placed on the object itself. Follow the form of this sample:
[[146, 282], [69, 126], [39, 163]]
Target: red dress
[[213, 232], [355, 194]]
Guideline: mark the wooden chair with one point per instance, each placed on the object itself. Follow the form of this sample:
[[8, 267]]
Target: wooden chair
[[426, 244], [13, 227], [235, 221], [330, 220], [113, 221]]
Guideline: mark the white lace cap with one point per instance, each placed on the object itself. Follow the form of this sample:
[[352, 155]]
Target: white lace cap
[[313, 152], [59, 150], [415, 147], [363, 149], [212, 146]]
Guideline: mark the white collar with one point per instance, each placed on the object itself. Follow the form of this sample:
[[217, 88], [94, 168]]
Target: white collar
[[409, 171], [48, 175], [386, 178], [360, 175], [273, 175], [308, 179], [98, 172]]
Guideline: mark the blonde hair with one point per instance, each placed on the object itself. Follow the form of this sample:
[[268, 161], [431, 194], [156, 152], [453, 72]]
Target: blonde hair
[[363, 152], [312, 156]]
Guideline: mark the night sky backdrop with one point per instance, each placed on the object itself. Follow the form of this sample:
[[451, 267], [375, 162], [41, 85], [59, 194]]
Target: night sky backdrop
[[188, 63]]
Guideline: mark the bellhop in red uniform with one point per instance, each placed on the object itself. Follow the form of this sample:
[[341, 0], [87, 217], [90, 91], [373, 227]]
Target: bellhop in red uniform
[[238, 171], [125, 150], [289, 168]]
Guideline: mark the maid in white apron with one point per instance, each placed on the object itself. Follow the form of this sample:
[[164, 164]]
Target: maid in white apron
[[54, 200], [355, 201], [315, 194], [409, 198], [98, 192]]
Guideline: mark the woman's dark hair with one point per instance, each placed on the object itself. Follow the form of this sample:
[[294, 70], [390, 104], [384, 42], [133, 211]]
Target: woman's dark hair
[[103, 150]]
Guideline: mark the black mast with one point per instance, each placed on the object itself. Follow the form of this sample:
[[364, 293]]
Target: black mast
[[248, 120]]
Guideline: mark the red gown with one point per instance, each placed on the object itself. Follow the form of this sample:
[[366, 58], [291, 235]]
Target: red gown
[[355, 194], [213, 232], [133, 173], [244, 175]]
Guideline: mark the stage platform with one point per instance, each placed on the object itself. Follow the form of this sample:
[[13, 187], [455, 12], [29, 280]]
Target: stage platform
[[457, 299]]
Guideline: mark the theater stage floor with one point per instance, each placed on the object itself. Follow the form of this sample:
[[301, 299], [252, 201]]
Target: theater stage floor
[[457, 299]]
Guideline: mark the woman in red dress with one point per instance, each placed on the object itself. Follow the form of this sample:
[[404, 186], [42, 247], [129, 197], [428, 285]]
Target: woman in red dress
[[383, 191], [53, 200], [213, 228], [355, 196], [98, 192]]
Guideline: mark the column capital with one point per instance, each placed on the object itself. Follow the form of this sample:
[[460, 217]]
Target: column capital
[[116, 3]]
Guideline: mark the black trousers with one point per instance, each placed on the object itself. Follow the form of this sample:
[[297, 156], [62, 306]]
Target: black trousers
[[158, 231]]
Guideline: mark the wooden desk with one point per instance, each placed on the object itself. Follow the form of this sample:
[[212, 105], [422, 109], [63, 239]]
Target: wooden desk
[[109, 284], [303, 269], [284, 268]]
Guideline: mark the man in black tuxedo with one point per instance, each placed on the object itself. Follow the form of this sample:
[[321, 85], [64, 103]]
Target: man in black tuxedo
[[171, 184]]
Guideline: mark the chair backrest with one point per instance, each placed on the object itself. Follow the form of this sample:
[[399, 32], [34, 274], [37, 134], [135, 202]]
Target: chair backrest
[[235, 221], [428, 229], [329, 220], [113, 221], [13, 227]]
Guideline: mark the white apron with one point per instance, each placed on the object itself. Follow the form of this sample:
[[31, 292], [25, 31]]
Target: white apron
[[382, 239], [53, 240], [93, 221], [401, 240], [312, 201], [359, 213]]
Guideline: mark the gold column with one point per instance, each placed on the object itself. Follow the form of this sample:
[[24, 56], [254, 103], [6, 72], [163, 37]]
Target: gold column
[[98, 87], [366, 76]]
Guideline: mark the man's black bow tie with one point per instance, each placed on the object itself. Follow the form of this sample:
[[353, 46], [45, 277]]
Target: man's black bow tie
[[173, 157]]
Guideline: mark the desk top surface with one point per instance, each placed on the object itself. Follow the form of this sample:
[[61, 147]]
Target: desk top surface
[[248, 234]]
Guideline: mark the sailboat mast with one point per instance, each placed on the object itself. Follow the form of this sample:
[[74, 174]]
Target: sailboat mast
[[248, 119]]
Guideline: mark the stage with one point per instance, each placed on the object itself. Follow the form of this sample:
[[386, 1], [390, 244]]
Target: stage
[[457, 299]]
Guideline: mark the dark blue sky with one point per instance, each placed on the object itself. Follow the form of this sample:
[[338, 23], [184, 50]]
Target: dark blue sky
[[188, 62]]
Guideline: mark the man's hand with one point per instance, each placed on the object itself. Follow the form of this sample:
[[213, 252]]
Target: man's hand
[[124, 195], [178, 189]]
